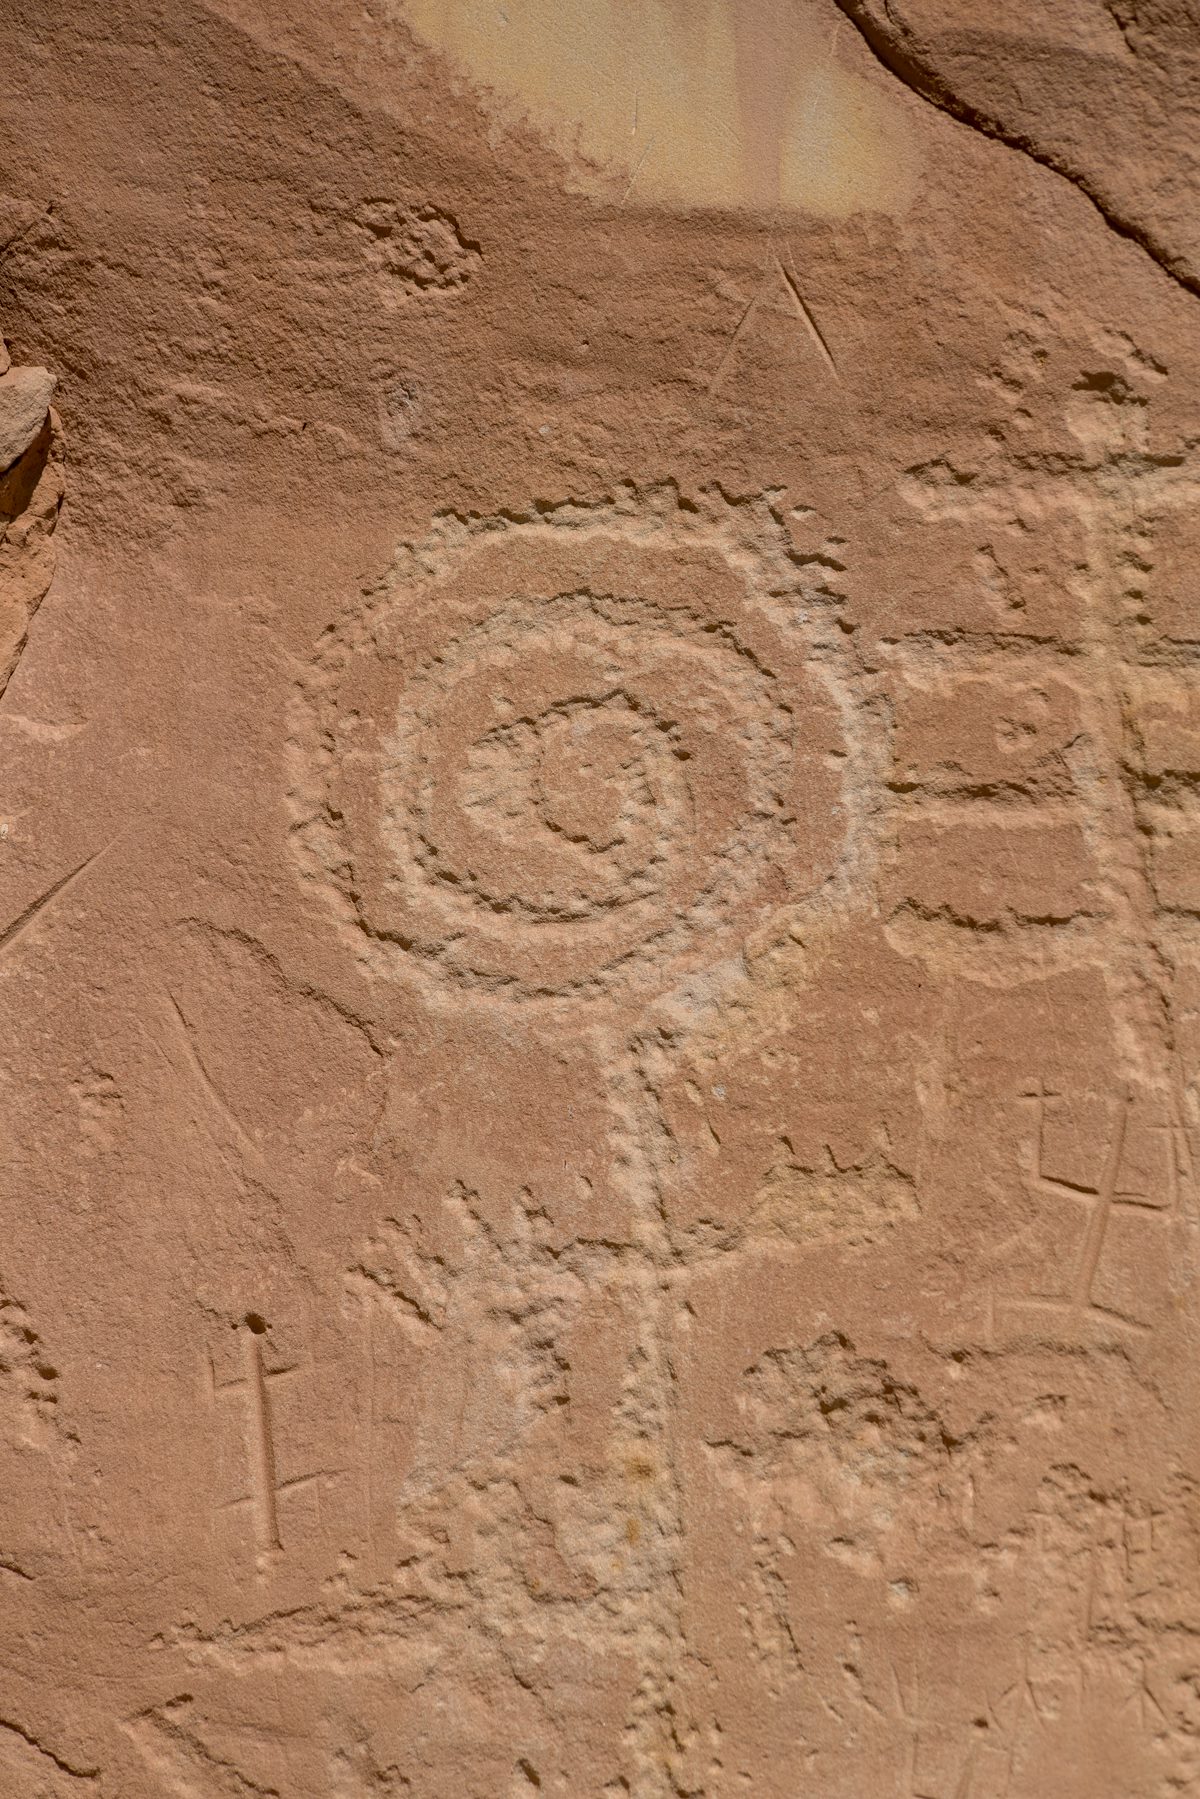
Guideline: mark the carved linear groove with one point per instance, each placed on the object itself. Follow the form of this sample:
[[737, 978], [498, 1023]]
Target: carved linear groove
[[18, 926]]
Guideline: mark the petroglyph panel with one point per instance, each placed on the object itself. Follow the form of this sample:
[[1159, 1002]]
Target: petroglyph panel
[[599, 900]]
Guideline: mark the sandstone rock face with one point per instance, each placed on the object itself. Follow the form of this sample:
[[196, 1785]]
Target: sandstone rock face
[[24, 403], [600, 900], [31, 492]]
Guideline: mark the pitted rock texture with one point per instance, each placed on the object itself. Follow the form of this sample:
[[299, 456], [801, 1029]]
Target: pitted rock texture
[[599, 900]]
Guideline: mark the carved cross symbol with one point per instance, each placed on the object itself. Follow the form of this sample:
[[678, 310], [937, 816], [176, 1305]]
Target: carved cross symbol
[[255, 1384], [1078, 1304]]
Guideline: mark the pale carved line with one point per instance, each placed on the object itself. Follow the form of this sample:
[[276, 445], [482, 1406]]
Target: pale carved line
[[1102, 1201], [266, 1485]]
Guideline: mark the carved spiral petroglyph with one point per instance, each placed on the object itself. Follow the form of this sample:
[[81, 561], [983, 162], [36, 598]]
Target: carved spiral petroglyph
[[573, 755]]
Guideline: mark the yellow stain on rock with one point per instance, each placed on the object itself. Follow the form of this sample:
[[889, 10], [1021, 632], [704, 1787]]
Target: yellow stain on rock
[[688, 103]]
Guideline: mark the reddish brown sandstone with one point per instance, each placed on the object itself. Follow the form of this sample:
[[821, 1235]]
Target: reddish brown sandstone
[[599, 899]]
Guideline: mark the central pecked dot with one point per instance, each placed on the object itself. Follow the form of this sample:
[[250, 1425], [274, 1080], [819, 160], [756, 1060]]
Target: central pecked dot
[[594, 783]]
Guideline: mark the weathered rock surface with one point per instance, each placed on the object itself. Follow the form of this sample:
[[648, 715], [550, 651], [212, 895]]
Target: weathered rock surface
[[600, 900], [25, 396], [31, 492]]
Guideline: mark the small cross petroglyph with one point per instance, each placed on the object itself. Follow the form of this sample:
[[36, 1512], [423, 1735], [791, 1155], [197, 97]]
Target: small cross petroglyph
[[254, 1386], [1076, 1304]]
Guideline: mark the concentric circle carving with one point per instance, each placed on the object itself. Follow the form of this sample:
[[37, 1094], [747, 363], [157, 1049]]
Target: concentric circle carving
[[575, 755]]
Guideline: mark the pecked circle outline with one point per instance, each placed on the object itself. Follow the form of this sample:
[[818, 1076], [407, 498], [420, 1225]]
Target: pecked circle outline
[[652, 625], [748, 539]]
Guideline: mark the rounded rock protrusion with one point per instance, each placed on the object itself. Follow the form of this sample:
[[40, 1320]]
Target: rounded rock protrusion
[[25, 395]]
